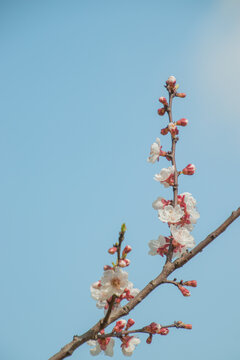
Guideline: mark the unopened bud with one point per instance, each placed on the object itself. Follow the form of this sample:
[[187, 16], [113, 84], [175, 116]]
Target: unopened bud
[[182, 122], [181, 95], [119, 325], [127, 262], [184, 291], [171, 80], [127, 249], [163, 100], [107, 267], [122, 263], [189, 169], [161, 111], [192, 283], [130, 323], [188, 326], [112, 250], [165, 131], [149, 339], [163, 331], [173, 129]]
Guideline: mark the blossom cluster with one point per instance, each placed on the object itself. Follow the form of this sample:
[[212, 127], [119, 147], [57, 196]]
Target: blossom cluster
[[181, 215]]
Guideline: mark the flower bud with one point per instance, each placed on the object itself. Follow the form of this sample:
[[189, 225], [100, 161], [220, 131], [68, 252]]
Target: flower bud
[[122, 263], [163, 100], [188, 326], [127, 262], [161, 111], [192, 283], [182, 122], [165, 131], [189, 169], [171, 81], [119, 325], [181, 95], [127, 249], [149, 339], [130, 323], [173, 129], [112, 250], [163, 331], [96, 285], [107, 267], [184, 291]]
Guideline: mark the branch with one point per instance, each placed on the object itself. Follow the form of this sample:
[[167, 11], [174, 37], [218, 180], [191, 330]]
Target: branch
[[168, 268]]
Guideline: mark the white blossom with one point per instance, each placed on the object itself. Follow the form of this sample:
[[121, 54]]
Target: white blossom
[[154, 245], [164, 174], [170, 214], [182, 236], [154, 152], [158, 203], [191, 207], [97, 347], [129, 347]]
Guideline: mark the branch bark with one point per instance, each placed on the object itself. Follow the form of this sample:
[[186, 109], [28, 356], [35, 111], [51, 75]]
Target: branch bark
[[168, 268]]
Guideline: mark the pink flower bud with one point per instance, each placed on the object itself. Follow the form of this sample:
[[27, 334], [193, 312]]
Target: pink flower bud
[[188, 326], [163, 331], [127, 249], [189, 170], [181, 95], [112, 250], [171, 81], [127, 262], [165, 131], [107, 267], [149, 339], [182, 122], [119, 325], [184, 291], [163, 100], [161, 111], [173, 129], [130, 323], [122, 263], [192, 283]]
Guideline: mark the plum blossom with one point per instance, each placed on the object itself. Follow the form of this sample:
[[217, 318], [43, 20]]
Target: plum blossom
[[190, 203], [128, 344], [159, 203], [166, 176], [99, 345], [157, 247], [170, 214], [155, 151], [161, 246], [112, 282], [182, 236]]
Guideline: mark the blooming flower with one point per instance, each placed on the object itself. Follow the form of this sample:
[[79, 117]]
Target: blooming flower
[[161, 246], [159, 203], [170, 214], [158, 247], [166, 176], [191, 207], [128, 344], [155, 151], [99, 345], [182, 236]]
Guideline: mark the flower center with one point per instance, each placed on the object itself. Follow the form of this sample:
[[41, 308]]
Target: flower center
[[116, 283]]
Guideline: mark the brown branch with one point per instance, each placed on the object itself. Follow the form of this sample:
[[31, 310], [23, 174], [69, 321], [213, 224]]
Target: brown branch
[[168, 268]]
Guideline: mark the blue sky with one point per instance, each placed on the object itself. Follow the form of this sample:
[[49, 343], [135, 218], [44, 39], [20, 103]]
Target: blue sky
[[80, 82]]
